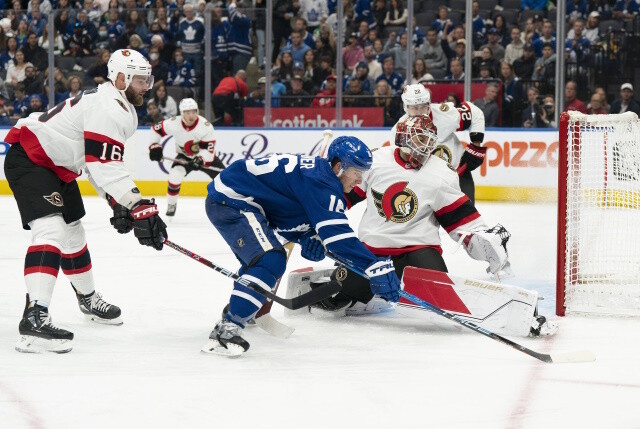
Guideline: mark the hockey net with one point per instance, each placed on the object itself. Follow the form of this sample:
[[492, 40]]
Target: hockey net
[[599, 214]]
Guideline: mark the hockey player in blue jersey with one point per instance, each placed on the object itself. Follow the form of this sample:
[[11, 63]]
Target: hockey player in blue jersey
[[301, 198]]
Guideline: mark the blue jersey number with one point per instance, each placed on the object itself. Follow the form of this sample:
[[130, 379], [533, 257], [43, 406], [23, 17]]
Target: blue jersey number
[[267, 165]]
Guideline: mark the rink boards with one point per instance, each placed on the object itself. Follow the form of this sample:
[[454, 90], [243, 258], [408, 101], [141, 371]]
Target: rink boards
[[520, 165]]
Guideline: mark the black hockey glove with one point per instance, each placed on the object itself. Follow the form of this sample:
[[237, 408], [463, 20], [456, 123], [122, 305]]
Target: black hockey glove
[[155, 152], [196, 163], [383, 280], [121, 220], [148, 228], [312, 248], [472, 158]]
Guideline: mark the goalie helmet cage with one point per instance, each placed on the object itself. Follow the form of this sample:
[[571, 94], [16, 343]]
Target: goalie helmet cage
[[598, 265]]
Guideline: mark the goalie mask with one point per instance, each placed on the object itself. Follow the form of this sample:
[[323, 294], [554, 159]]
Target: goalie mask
[[416, 99], [417, 139]]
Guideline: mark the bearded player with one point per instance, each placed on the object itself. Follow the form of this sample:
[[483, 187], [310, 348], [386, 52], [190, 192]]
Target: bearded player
[[48, 152], [195, 143]]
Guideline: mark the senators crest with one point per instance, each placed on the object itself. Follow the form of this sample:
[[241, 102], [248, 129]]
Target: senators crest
[[122, 105], [397, 203], [444, 107], [55, 199], [191, 147], [443, 151]]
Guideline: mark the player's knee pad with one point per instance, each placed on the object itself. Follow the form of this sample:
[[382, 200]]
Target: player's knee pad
[[75, 237], [176, 174], [269, 267], [50, 230]]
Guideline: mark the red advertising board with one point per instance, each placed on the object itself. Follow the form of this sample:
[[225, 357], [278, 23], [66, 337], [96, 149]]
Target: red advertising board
[[311, 117]]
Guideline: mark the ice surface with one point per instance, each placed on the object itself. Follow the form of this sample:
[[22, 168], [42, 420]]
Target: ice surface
[[374, 372]]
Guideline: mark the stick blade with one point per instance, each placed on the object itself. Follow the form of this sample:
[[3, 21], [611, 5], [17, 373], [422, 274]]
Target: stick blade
[[573, 357], [267, 323]]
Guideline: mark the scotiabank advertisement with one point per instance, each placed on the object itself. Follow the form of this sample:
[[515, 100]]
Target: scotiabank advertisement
[[520, 165], [312, 117]]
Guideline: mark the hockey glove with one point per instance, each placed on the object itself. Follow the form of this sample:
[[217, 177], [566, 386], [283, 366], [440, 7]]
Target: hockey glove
[[148, 228], [121, 220], [155, 152], [491, 246], [472, 158], [383, 280], [312, 248], [196, 163]]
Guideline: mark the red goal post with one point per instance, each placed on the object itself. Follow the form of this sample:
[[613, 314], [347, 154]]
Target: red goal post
[[598, 261]]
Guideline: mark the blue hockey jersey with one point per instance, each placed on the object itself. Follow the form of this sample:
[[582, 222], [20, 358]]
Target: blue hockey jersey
[[295, 193]]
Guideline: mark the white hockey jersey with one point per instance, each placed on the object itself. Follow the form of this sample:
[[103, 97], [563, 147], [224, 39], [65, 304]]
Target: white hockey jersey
[[447, 119], [190, 141], [406, 206], [89, 131]]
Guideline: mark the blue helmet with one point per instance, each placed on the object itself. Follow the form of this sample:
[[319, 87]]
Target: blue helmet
[[351, 152]]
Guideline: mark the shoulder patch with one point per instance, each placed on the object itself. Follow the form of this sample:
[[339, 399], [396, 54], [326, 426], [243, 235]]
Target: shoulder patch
[[174, 118], [207, 123], [122, 105], [444, 107]]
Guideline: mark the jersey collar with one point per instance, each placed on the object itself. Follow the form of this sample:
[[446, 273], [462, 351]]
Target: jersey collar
[[192, 126], [401, 162]]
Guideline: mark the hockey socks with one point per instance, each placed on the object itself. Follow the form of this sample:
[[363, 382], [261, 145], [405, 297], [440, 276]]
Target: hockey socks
[[41, 266]]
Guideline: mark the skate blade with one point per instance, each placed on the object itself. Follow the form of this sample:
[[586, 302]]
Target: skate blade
[[31, 344], [376, 306], [214, 347], [115, 322]]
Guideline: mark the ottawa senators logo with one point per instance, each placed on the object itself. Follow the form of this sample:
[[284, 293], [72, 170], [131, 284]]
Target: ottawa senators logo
[[55, 199], [444, 107], [122, 105], [191, 147], [126, 53], [397, 203], [444, 152]]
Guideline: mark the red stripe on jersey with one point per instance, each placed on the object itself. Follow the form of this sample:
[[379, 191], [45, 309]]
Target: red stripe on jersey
[[463, 221], [433, 286], [43, 248], [395, 251], [38, 156], [40, 269], [77, 270], [401, 162], [76, 254], [13, 136], [451, 207], [159, 128], [90, 135], [359, 192]]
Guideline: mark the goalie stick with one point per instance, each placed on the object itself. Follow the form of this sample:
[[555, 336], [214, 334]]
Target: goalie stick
[[569, 357], [183, 162], [263, 317], [327, 135], [301, 301]]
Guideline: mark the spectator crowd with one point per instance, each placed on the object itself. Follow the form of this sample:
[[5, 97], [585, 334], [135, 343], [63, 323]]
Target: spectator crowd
[[513, 43]]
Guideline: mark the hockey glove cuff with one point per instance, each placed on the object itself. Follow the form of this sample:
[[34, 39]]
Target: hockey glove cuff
[[155, 152], [121, 220], [472, 158], [148, 227], [383, 280], [312, 248]]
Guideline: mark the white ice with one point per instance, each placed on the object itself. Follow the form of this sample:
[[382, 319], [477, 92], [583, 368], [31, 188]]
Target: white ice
[[374, 372]]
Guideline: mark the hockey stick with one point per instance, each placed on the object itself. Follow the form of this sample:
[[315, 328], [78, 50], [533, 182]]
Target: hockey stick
[[326, 140], [263, 317], [301, 301], [183, 162], [573, 357]]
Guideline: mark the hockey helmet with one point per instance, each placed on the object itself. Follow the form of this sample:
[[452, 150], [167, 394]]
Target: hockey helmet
[[188, 104], [417, 138], [130, 63], [416, 95], [351, 152]]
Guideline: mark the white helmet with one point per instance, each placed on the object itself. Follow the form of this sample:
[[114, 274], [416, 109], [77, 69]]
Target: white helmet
[[188, 104], [130, 63], [416, 138], [416, 94]]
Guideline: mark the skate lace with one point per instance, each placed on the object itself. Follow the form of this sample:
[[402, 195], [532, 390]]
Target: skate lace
[[99, 304], [228, 330], [46, 321]]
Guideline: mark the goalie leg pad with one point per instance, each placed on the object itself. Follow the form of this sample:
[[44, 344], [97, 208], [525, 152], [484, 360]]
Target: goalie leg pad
[[500, 308]]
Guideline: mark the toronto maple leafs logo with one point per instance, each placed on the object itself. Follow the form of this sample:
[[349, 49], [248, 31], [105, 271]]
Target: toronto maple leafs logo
[[55, 199], [397, 203]]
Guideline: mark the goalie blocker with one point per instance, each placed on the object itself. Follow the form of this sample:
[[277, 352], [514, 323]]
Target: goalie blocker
[[499, 308]]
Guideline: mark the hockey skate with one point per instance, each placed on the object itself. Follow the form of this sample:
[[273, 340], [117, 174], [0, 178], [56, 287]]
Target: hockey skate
[[171, 210], [97, 309], [377, 305], [248, 324], [226, 340], [542, 327], [38, 334]]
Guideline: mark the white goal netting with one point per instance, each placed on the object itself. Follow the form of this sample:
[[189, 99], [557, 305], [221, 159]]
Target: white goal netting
[[601, 233]]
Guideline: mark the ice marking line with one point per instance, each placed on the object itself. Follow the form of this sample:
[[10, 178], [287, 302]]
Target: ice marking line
[[594, 383], [25, 408]]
